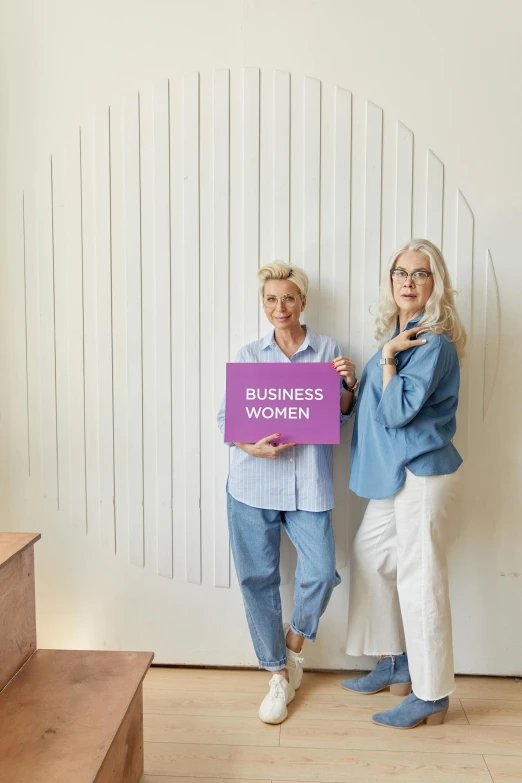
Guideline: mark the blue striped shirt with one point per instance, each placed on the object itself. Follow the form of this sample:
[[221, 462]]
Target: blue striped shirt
[[301, 477]]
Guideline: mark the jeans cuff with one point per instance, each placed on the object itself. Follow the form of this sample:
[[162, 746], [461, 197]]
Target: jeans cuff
[[310, 636], [273, 666]]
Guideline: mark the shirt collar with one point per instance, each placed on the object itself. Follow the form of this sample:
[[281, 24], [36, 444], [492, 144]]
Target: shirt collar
[[410, 324], [415, 321], [310, 341]]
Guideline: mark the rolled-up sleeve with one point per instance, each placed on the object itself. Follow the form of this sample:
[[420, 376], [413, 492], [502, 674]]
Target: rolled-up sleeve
[[410, 388], [221, 419], [344, 416]]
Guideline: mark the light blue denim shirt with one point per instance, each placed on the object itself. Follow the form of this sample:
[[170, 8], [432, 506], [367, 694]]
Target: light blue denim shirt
[[299, 478], [410, 424]]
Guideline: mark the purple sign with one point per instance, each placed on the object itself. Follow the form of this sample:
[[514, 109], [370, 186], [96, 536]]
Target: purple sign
[[300, 401]]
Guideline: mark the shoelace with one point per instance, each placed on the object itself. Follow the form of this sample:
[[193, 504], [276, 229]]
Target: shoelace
[[276, 689]]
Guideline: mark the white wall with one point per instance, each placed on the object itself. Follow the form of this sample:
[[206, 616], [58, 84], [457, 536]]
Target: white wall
[[450, 74]]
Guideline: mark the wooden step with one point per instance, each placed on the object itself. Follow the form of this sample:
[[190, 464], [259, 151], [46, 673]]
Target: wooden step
[[74, 717], [17, 603]]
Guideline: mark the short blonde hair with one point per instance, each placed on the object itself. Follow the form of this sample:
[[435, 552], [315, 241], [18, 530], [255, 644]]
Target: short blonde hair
[[440, 313], [277, 270]]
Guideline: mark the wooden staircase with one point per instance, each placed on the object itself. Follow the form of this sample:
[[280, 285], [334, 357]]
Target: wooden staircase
[[66, 716]]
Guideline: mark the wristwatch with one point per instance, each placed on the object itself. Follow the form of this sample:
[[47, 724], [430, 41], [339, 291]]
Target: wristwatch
[[353, 388], [388, 361]]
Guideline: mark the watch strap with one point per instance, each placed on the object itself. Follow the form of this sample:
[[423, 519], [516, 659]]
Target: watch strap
[[388, 361]]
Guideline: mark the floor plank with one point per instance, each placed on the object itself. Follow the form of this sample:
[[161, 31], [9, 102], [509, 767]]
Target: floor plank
[[469, 687], [339, 705], [209, 730], [175, 779], [318, 765], [244, 680], [363, 735], [505, 769], [221, 703], [493, 712], [248, 681]]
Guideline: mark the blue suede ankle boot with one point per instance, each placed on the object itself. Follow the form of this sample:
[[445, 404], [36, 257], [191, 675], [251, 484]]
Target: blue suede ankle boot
[[391, 672], [413, 711]]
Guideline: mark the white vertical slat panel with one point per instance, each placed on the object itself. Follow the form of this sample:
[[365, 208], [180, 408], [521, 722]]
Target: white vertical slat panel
[[148, 306], [266, 183], [120, 353], [251, 143], [102, 183], [434, 199], [312, 192], [464, 276], [464, 286], [16, 355], [191, 272], [341, 236], [59, 193], [47, 334], [92, 457], [179, 424], [221, 244], [372, 221], [281, 166], [132, 250], [33, 337], [163, 362], [236, 225], [493, 328], [342, 211], [404, 185], [323, 300], [75, 332], [24, 387]]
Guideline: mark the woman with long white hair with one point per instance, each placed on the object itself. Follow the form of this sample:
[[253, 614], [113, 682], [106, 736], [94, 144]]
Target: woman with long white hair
[[404, 461]]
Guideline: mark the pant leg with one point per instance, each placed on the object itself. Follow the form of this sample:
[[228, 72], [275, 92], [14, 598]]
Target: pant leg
[[255, 537], [422, 582], [374, 617], [312, 535]]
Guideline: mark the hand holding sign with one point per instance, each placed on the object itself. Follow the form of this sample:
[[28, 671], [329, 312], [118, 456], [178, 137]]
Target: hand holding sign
[[346, 369], [265, 448]]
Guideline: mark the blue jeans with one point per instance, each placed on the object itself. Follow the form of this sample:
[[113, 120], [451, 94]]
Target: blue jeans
[[255, 536]]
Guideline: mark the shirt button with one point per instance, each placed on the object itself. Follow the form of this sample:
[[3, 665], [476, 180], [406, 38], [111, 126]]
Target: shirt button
[[291, 459]]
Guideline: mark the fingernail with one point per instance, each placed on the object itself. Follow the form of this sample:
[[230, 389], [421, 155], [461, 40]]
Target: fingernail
[[424, 341], [278, 434]]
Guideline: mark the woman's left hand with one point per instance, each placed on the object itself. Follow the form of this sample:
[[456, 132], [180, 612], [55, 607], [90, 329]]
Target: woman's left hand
[[346, 369]]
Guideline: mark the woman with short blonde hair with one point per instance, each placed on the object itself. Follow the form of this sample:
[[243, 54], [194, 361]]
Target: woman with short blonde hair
[[404, 461], [273, 484]]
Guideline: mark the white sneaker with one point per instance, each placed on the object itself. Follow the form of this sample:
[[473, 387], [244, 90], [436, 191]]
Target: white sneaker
[[294, 663], [273, 708]]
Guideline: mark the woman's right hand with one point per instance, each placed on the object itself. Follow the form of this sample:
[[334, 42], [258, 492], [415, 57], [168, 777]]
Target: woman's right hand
[[264, 448], [402, 342]]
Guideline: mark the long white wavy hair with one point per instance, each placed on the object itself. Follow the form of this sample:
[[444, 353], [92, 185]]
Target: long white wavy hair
[[440, 313]]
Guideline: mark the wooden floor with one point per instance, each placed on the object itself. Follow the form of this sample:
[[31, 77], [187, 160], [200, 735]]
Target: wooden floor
[[202, 723]]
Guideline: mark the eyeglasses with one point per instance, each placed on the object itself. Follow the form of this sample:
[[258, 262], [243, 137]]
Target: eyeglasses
[[289, 300], [420, 277]]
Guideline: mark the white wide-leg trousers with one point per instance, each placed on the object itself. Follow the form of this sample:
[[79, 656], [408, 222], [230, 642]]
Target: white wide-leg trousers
[[399, 597]]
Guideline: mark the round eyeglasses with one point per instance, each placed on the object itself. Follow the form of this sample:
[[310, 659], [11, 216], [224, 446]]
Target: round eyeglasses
[[419, 277], [289, 300]]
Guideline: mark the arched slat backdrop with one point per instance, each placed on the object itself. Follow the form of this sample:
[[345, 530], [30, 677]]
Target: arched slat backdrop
[[139, 246]]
